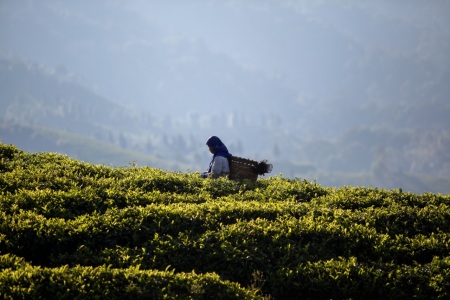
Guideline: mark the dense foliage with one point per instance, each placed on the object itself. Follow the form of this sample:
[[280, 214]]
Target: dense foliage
[[76, 230]]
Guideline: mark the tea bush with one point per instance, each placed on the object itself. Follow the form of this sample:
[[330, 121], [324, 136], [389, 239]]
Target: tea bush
[[77, 230]]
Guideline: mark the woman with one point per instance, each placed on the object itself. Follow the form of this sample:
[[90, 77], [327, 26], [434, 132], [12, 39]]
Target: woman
[[219, 165]]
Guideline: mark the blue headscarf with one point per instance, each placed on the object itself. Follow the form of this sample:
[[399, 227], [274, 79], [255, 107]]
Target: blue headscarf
[[219, 149]]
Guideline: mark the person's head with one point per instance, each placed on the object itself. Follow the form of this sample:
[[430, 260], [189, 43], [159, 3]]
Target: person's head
[[214, 143], [216, 147]]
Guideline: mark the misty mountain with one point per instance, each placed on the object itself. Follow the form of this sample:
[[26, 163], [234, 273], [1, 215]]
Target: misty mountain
[[34, 95], [345, 92], [147, 69], [169, 58]]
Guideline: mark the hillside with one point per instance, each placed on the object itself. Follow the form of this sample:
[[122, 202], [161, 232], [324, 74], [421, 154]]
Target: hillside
[[40, 139], [78, 230], [33, 95]]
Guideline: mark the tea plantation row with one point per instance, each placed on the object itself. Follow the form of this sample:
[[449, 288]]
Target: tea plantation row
[[76, 230]]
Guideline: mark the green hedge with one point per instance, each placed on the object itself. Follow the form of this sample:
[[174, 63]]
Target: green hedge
[[20, 280], [67, 228]]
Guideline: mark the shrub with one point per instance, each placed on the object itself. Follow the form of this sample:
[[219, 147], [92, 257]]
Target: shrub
[[77, 230]]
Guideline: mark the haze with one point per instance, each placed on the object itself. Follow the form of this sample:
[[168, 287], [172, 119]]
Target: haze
[[341, 92]]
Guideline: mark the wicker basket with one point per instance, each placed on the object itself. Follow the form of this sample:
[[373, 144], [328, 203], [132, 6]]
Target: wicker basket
[[242, 169]]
